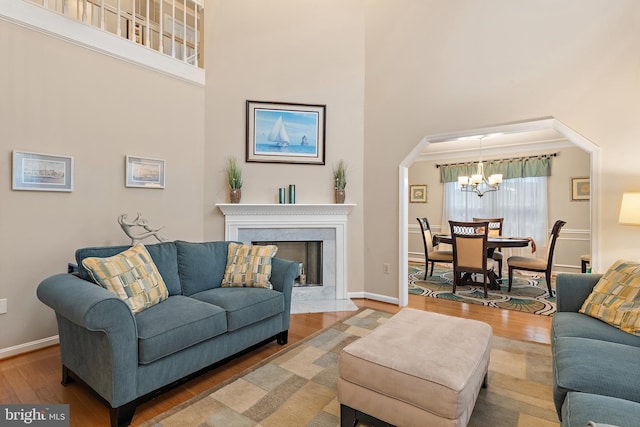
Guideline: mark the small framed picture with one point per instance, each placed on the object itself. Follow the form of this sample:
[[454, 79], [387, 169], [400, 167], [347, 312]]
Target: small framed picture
[[580, 188], [285, 133], [418, 193], [144, 172], [42, 172]]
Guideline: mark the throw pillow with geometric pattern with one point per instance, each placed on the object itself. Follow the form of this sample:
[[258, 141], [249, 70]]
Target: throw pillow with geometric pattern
[[248, 266], [615, 299], [132, 275]]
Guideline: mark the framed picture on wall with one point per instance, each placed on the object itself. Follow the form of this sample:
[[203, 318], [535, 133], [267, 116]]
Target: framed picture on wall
[[418, 193], [144, 172], [42, 172], [278, 132], [580, 188]]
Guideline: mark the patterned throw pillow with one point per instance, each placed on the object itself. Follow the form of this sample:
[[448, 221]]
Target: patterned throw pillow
[[132, 275], [615, 299], [248, 266]]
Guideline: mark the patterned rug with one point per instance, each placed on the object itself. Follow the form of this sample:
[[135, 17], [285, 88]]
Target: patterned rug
[[297, 386], [528, 293]]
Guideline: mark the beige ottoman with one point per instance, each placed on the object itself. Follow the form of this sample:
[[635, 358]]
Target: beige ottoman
[[416, 369]]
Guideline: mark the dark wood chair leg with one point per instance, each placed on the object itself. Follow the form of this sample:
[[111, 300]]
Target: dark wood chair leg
[[510, 278], [499, 269], [547, 276], [433, 264]]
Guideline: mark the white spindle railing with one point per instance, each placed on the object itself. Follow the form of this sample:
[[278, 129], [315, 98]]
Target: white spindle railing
[[142, 26]]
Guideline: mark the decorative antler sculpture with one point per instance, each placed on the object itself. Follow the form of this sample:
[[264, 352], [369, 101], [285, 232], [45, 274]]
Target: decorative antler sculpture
[[139, 221]]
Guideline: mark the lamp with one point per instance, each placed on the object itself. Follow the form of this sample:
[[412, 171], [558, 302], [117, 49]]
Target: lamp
[[474, 183], [630, 209]]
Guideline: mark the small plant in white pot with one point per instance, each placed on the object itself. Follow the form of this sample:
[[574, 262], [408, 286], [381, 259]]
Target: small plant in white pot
[[234, 179], [340, 180]]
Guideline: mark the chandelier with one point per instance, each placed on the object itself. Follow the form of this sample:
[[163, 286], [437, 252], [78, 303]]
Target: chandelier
[[478, 183]]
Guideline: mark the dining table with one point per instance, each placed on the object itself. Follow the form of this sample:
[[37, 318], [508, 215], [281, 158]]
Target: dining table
[[493, 242]]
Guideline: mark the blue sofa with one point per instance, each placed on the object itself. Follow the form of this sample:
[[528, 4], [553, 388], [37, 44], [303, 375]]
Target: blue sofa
[[128, 358], [595, 365]]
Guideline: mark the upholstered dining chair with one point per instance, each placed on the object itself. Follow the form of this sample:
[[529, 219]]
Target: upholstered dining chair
[[431, 253], [495, 230], [540, 265], [470, 250]]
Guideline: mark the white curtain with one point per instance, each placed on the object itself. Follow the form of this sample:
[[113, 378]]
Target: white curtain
[[522, 202]]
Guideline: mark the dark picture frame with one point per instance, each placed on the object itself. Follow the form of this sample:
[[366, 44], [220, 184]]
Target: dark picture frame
[[580, 189], [42, 172], [280, 132]]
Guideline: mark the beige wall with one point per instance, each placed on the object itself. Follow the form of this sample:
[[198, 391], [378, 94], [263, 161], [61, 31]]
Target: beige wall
[[574, 239], [390, 72], [306, 52], [58, 98], [436, 66]]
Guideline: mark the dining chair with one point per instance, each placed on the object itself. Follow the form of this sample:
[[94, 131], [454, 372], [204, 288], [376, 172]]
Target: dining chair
[[470, 250], [431, 253], [540, 265], [495, 230]]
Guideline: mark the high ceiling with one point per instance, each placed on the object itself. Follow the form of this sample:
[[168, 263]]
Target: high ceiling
[[496, 145]]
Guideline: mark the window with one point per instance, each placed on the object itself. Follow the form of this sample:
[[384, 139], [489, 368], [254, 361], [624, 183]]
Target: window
[[522, 202]]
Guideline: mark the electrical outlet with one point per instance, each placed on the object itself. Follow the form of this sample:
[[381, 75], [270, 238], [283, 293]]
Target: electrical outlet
[[3, 306], [386, 268]]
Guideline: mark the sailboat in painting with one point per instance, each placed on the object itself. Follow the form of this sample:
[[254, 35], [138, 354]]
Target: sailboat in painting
[[279, 134]]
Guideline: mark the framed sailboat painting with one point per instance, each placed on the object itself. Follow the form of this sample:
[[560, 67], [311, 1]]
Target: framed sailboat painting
[[278, 132]]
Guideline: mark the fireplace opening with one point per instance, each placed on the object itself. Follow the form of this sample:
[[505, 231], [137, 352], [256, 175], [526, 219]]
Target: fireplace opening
[[308, 254]]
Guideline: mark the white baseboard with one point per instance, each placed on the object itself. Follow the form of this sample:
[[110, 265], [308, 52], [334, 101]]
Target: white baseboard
[[28, 346], [374, 297]]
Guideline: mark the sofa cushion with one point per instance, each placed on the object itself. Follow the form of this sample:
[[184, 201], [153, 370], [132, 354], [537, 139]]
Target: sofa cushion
[[616, 297], [249, 266], [164, 255], [132, 275], [201, 265], [244, 306], [569, 324], [175, 324], [580, 408], [594, 366]]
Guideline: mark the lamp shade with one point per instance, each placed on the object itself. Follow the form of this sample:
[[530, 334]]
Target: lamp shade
[[630, 209]]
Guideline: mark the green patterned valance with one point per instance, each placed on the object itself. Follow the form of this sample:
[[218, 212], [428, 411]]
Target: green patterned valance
[[509, 168]]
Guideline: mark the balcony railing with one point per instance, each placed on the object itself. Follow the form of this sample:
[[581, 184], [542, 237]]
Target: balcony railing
[[171, 27]]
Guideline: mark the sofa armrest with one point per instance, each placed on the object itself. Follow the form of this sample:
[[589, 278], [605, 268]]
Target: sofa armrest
[[283, 273], [572, 289], [98, 335]]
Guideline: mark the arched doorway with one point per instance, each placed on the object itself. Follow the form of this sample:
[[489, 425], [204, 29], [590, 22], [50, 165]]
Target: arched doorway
[[509, 128]]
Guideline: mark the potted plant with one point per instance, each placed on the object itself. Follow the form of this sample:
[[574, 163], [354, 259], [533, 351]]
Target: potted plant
[[234, 179], [340, 180]]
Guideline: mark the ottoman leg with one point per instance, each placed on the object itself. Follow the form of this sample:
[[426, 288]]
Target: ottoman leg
[[347, 416], [485, 381]]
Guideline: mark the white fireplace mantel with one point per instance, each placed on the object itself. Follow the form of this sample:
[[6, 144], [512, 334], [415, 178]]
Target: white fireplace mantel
[[243, 217]]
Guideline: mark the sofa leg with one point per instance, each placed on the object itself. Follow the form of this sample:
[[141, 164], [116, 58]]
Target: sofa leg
[[66, 377], [122, 415], [283, 337]]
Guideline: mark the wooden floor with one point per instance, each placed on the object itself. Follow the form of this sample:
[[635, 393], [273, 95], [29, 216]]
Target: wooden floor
[[34, 378]]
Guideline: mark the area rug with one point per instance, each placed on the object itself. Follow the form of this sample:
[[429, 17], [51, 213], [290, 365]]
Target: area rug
[[297, 386], [528, 293]]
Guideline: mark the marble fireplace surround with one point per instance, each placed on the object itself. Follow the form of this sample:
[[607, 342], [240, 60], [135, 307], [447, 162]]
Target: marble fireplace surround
[[296, 222]]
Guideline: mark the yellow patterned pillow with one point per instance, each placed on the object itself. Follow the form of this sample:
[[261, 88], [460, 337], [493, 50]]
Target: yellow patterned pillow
[[248, 266], [615, 299], [132, 275]]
